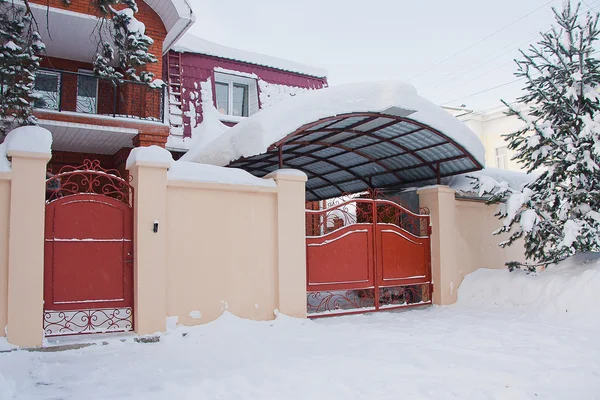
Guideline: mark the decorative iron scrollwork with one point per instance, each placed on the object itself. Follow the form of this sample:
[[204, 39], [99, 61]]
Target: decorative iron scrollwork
[[58, 323], [88, 178], [345, 211], [342, 301]]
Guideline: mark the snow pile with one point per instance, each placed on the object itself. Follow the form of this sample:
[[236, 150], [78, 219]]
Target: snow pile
[[272, 93], [31, 139], [187, 171], [569, 290], [490, 178], [4, 163], [205, 132], [426, 354], [150, 154], [234, 72], [193, 44], [255, 134]]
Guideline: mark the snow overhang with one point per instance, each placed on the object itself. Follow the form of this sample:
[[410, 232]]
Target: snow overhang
[[193, 44], [350, 138]]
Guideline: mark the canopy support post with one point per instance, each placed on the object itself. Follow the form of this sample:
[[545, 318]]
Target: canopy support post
[[280, 156], [438, 174]]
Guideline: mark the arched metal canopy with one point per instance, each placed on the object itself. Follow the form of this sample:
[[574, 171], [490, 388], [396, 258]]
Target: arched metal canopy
[[353, 152]]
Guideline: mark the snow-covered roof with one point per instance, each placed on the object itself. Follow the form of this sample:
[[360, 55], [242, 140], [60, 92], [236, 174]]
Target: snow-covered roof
[[255, 134], [380, 133], [193, 44]]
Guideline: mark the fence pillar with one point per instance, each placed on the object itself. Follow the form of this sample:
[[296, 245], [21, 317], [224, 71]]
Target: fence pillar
[[442, 205], [291, 235], [150, 255], [26, 247]]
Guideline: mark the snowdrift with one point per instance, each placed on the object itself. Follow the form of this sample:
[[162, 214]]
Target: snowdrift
[[570, 290]]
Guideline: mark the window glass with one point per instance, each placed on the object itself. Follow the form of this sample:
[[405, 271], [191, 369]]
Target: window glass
[[87, 91], [240, 100], [222, 95], [46, 87]]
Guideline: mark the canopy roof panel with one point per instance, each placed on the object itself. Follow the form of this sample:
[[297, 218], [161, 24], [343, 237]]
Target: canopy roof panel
[[358, 151]]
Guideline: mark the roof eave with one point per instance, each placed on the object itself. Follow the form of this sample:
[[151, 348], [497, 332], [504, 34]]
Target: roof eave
[[187, 17]]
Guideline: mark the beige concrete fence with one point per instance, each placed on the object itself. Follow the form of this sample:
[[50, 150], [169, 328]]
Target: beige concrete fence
[[462, 240], [219, 246]]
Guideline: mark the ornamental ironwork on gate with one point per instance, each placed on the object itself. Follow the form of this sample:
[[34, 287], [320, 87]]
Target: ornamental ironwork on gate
[[366, 254], [88, 264]]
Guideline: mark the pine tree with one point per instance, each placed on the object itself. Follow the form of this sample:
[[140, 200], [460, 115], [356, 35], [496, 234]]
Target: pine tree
[[558, 214], [129, 38], [19, 46]]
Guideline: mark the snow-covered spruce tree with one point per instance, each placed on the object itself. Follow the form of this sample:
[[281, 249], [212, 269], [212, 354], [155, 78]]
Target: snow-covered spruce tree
[[558, 213], [19, 46], [128, 36]]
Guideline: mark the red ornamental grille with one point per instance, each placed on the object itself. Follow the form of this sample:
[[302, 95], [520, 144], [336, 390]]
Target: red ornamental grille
[[91, 178], [365, 255]]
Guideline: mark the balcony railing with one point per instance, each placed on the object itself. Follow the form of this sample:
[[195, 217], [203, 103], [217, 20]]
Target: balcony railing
[[85, 93]]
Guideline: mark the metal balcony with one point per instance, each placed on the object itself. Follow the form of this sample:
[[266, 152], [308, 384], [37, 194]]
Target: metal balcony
[[82, 92]]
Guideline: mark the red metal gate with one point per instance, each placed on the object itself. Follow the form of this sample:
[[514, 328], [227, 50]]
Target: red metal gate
[[88, 265], [366, 255]]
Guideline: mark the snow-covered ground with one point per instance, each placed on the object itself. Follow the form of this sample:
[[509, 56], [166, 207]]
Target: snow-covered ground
[[511, 336]]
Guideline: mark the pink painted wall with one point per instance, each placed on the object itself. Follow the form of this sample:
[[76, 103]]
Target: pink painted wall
[[200, 67]]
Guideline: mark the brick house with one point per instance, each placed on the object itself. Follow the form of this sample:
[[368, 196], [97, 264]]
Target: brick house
[[90, 117], [213, 87]]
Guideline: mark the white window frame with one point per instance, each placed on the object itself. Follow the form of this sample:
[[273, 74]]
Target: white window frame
[[231, 80], [501, 157]]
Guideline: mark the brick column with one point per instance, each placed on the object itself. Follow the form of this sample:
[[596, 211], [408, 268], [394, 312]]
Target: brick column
[[150, 253], [26, 247], [291, 236], [441, 203]]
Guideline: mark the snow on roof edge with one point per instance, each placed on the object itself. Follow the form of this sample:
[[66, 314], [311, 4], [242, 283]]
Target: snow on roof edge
[[190, 43], [463, 183], [255, 134]]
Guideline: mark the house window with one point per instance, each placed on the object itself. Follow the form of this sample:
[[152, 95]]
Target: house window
[[235, 96], [87, 92], [46, 87], [502, 157], [232, 98]]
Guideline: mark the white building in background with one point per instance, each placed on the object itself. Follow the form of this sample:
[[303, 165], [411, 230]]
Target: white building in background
[[490, 126]]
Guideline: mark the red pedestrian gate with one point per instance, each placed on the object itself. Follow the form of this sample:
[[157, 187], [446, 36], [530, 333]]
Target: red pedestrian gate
[[88, 265], [366, 255]]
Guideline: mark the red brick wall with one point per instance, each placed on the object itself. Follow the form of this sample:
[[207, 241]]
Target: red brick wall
[[200, 67], [154, 25], [62, 158]]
